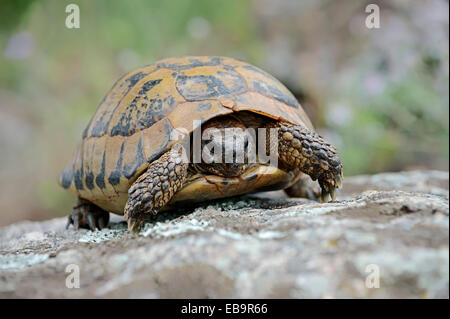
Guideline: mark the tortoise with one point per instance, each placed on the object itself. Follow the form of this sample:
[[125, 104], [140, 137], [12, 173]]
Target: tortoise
[[129, 163]]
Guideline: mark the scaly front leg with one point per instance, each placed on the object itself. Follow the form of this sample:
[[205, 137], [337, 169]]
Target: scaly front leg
[[299, 147], [154, 188]]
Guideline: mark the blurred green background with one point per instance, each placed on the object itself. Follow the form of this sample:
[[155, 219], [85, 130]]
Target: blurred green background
[[380, 95]]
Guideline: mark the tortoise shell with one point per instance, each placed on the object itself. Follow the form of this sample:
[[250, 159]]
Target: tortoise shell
[[133, 123]]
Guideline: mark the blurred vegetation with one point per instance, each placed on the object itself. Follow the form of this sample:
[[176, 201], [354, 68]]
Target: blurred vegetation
[[380, 95]]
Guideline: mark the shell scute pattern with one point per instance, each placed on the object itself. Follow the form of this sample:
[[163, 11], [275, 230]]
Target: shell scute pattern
[[205, 83], [101, 120], [155, 98], [133, 110]]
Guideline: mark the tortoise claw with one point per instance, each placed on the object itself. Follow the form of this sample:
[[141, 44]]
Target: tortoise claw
[[329, 189], [103, 221], [333, 194], [87, 215], [324, 196], [75, 220], [135, 224], [69, 221], [91, 221]]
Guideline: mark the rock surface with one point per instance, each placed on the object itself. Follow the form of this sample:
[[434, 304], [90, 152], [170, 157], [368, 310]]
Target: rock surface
[[395, 225]]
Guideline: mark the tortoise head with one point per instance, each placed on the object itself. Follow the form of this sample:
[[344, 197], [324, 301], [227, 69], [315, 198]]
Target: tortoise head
[[225, 143]]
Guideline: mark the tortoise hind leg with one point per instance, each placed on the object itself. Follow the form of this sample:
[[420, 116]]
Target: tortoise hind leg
[[87, 215], [304, 187], [155, 187]]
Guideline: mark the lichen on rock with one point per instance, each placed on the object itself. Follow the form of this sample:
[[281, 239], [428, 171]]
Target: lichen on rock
[[255, 246]]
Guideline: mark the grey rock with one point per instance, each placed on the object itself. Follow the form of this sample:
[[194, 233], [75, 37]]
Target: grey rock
[[386, 236]]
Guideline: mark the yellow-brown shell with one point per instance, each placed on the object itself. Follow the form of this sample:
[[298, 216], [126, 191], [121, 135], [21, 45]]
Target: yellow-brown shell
[[133, 123]]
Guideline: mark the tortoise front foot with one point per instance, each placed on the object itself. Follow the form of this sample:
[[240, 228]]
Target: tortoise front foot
[[87, 215], [154, 188], [303, 149]]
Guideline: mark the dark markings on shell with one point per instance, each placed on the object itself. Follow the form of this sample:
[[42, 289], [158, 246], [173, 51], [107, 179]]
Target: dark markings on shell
[[157, 109], [258, 70], [130, 120], [273, 92], [202, 107], [89, 176], [78, 177], [89, 179], [213, 61], [202, 87], [114, 177], [228, 67], [139, 160], [101, 126], [66, 177], [100, 178], [86, 130], [132, 80]]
